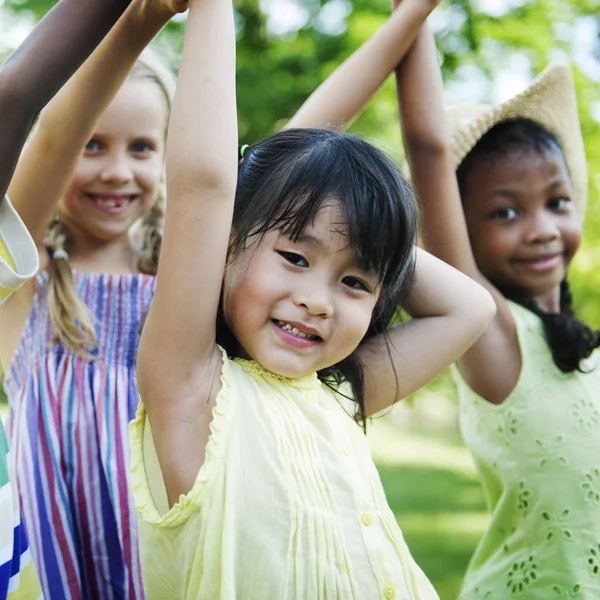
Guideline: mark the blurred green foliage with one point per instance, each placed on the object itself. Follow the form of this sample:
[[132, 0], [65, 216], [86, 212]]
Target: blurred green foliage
[[287, 47]]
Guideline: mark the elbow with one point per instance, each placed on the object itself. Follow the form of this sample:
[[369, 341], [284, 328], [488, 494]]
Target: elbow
[[15, 103], [427, 145], [482, 310], [201, 176]]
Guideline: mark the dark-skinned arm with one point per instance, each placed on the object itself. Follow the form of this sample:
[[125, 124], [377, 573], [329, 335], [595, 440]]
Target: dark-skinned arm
[[51, 53]]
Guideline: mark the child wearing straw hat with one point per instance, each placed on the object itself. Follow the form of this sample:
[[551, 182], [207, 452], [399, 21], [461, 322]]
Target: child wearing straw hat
[[529, 389]]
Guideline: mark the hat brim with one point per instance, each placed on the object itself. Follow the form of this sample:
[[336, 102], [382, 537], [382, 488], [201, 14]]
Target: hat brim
[[550, 101]]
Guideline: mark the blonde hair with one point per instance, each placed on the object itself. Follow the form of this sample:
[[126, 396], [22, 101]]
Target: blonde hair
[[70, 319]]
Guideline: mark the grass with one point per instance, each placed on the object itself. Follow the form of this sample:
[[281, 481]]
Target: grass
[[432, 487]]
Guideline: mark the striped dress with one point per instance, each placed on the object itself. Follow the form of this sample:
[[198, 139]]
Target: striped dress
[[68, 430]]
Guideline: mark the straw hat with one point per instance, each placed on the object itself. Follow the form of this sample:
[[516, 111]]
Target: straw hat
[[550, 101]]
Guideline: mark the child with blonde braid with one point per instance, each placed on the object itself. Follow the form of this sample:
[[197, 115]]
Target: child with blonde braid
[[529, 389], [70, 337], [28, 79]]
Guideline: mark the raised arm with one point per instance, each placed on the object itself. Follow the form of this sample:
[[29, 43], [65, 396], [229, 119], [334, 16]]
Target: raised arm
[[51, 154], [59, 43], [449, 312], [178, 361], [492, 365], [340, 98]]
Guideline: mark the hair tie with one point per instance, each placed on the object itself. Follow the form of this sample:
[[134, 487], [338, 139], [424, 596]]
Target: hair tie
[[243, 150], [60, 254]]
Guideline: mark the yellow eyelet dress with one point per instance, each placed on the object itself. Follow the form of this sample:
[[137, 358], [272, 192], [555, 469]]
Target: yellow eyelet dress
[[538, 454], [288, 504]]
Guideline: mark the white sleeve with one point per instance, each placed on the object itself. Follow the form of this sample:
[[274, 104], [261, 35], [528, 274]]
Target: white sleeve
[[16, 246]]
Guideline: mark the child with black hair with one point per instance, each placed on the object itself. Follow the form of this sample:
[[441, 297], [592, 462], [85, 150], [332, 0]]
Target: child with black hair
[[529, 388], [266, 347], [70, 336], [28, 79]]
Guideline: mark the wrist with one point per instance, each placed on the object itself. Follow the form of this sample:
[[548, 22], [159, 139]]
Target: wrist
[[150, 12]]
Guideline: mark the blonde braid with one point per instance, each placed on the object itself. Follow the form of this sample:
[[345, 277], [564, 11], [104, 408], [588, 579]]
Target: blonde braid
[[70, 319], [152, 227]]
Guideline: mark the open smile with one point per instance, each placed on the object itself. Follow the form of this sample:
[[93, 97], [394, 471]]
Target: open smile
[[112, 204], [296, 334]]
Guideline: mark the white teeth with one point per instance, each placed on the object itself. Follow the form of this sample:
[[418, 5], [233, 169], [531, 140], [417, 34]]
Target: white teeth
[[294, 331]]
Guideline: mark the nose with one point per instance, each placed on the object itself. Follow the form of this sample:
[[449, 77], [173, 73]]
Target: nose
[[315, 297], [542, 227], [116, 170]]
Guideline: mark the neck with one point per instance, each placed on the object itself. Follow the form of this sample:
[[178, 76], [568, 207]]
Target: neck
[[87, 253], [549, 302]]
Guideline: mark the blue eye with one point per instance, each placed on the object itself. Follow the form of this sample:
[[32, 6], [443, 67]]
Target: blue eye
[[293, 258], [356, 284], [141, 147], [93, 146]]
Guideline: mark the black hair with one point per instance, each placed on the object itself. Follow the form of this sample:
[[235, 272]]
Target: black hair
[[570, 340], [283, 182]]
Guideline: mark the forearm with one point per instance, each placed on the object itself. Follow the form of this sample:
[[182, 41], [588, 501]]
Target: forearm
[[456, 294], [40, 66], [426, 140], [420, 97], [68, 121], [342, 96]]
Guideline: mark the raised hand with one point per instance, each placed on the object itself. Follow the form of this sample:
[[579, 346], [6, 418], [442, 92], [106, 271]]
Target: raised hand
[[163, 6]]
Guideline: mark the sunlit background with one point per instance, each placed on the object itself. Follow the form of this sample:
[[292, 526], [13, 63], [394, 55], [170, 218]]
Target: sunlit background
[[490, 50]]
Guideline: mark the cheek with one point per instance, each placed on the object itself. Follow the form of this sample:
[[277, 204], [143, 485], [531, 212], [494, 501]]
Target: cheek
[[86, 172], [150, 172], [572, 238], [492, 243]]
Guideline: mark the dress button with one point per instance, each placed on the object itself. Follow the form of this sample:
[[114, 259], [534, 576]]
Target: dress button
[[367, 518], [347, 449], [389, 592]]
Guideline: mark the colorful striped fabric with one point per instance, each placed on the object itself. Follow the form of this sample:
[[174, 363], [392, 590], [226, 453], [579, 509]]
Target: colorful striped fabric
[[18, 579], [68, 431]]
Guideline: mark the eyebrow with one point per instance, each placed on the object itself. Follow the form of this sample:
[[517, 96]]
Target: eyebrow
[[515, 193], [310, 240]]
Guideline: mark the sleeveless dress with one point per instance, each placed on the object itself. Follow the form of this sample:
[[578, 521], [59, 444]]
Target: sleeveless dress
[[288, 504], [538, 455], [67, 428]]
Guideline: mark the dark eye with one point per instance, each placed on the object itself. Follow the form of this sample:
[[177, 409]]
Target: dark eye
[[504, 214], [356, 284], [559, 203], [294, 259], [141, 147], [93, 146]]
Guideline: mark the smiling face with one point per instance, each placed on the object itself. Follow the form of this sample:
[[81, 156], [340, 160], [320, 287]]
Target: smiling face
[[298, 307], [523, 225], [117, 177]]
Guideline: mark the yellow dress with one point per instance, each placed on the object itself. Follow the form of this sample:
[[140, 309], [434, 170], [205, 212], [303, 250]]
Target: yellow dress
[[288, 504]]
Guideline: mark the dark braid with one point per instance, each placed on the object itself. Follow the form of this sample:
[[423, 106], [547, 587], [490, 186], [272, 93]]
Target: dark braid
[[571, 341]]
